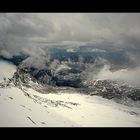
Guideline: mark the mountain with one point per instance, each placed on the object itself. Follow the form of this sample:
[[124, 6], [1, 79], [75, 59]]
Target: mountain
[[119, 92], [49, 91], [112, 90], [58, 75], [65, 108]]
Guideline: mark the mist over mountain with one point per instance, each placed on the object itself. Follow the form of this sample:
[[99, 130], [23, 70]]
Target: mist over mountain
[[85, 72], [45, 56], [82, 63]]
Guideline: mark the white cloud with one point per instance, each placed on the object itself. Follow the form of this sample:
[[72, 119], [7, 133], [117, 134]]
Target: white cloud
[[7, 70], [130, 76]]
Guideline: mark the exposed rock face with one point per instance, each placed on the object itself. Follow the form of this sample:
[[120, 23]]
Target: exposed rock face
[[113, 90]]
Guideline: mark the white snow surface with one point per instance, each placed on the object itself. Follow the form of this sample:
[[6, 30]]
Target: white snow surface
[[16, 109]]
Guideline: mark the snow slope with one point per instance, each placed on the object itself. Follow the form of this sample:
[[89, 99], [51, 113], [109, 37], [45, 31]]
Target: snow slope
[[96, 111], [16, 109]]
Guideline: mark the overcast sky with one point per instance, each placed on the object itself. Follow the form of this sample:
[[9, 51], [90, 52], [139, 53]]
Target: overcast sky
[[23, 31]]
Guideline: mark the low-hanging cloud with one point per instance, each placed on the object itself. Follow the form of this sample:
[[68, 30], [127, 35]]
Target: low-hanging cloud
[[129, 76]]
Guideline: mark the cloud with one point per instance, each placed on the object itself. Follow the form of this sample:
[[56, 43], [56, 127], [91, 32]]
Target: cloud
[[18, 32], [30, 32], [7, 70], [129, 76]]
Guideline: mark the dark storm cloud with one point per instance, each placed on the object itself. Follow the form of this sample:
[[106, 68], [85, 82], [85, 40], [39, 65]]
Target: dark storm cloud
[[22, 32]]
